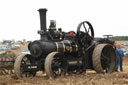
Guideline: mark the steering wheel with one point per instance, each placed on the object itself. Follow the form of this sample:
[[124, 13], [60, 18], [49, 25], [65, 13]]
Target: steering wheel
[[87, 30]]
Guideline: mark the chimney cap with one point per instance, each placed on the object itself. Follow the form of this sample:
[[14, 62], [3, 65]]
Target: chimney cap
[[42, 9]]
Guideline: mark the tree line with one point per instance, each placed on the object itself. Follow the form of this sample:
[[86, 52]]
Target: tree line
[[116, 38]]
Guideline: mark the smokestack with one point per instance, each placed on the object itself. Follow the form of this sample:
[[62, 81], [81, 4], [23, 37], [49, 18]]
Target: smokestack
[[42, 13]]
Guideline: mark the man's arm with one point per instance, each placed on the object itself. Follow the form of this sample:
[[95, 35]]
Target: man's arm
[[122, 53]]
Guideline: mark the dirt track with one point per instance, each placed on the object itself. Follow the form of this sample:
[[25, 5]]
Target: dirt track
[[88, 78]]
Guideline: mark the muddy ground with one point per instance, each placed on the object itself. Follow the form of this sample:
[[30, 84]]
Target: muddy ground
[[88, 78]]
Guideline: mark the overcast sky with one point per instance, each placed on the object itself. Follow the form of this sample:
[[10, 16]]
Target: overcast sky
[[19, 19]]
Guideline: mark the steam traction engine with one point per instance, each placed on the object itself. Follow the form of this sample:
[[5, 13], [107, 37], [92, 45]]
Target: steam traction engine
[[58, 53]]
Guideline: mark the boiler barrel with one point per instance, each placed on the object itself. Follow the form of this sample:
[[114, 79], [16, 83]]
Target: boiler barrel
[[38, 48]]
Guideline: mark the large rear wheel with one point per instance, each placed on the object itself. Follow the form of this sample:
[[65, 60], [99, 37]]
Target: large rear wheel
[[104, 58]]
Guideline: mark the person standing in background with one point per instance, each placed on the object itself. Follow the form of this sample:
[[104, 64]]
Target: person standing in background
[[120, 56]]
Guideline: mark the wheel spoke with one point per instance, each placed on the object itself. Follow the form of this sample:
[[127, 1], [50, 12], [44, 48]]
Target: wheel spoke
[[56, 66], [105, 58], [88, 30], [85, 28]]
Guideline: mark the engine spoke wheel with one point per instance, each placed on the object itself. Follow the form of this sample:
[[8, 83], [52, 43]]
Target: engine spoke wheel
[[88, 29], [85, 34], [55, 65], [104, 58], [21, 61]]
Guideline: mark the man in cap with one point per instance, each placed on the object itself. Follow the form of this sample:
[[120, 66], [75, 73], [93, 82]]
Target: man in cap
[[120, 56]]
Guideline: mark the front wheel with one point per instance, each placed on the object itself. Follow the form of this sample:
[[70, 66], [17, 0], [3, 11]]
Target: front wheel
[[19, 64], [55, 64]]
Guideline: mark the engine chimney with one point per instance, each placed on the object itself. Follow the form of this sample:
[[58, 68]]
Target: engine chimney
[[42, 13], [43, 18]]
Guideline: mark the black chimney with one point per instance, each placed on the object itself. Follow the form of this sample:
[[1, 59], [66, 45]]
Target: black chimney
[[42, 13], [43, 19]]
